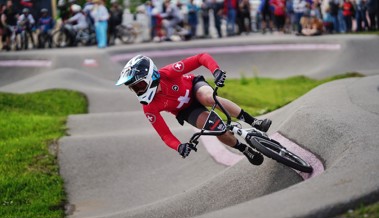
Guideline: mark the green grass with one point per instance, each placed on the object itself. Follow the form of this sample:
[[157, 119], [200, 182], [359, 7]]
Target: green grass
[[30, 184], [371, 211], [262, 95]]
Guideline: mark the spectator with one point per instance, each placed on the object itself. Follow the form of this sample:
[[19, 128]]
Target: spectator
[[192, 17], [217, 8], [2, 9], [115, 19], [26, 21], [360, 15], [9, 23], [205, 7], [148, 10], [87, 8], [45, 25], [100, 15], [311, 26], [265, 11], [244, 14], [290, 17], [328, 21], [64, 10], [279, 7], [373, 13], [348, 12], [157, 26], [230, 10], [75, 23], [334, 11], [173, 18], [299, 7]]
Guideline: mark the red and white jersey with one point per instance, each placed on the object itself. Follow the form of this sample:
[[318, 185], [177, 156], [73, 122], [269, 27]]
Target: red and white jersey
[[175, 93]]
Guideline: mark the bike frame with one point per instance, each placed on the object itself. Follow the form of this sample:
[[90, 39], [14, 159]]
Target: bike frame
[[244, 133]]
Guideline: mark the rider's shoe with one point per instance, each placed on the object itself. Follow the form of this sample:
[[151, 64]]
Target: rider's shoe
[[253, 157], [262, 125]]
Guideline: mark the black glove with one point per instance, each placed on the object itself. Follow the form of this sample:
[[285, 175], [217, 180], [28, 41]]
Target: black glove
[[220, 77], [184, 149]]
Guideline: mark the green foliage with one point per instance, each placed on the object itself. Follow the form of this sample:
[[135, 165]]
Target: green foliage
[[261, 95], [371, 211], [30, 184]]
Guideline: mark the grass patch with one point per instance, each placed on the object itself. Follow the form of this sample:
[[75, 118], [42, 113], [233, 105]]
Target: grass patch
[[262, 95], [30, 184], [371, 211]]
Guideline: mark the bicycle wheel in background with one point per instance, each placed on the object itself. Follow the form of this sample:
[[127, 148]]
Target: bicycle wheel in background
[[60, 39], [274, 150], [126, 34]]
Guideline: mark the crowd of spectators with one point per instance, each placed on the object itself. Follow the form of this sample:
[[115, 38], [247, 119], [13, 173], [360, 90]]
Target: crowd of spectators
[[170, 19], [301, 17], [74, 17]]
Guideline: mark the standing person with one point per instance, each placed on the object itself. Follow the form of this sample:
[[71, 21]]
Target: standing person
[[266, 15], [230, 10], [217, 8], [174, 90], [360, 15], [334, 6], [100, 15], [279, 14], [2, 9], [115, 19], [192, 17], [205, 7], [244, 14], [348, 12], [9, 23], [299, 7], [373, 13]]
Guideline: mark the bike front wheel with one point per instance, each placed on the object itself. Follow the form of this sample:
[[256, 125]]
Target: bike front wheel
[[276, 151]]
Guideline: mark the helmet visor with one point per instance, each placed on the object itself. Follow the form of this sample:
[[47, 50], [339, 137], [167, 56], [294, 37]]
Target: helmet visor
[[139, 87]]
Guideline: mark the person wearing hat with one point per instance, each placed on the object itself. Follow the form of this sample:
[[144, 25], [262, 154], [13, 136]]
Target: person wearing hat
[[100, 15]]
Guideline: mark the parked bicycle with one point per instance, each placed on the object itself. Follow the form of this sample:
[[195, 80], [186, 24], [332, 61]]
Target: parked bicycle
[[126, 33], [66, 36], [256, 139]]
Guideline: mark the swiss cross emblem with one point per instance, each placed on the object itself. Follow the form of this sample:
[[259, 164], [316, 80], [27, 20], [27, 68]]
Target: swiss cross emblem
[[150, 117], [178, 66]]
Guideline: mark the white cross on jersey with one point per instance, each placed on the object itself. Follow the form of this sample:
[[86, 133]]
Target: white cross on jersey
[[179, 66], [183, 99]]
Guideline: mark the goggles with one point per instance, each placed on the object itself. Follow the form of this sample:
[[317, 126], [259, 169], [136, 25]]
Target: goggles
[[139, 87]]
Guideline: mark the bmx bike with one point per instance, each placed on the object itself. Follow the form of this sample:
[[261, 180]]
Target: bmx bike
[[256, 139]]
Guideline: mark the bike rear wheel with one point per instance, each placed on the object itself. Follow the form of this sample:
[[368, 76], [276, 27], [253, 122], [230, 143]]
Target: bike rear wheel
[[60, 39], [276, 151], [126, 34]]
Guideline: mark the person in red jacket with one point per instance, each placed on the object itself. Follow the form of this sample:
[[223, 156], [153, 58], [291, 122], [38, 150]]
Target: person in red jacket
[[173, 89], [348, 13], [279, 13]]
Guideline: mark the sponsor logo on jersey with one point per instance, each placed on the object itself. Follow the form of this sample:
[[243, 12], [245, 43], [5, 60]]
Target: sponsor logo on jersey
[[175, 87], [178, 66], [151, 117]]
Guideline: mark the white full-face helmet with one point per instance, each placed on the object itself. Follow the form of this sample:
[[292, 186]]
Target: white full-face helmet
[[141, 75]]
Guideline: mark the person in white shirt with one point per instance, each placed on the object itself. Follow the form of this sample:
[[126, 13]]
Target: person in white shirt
[[75, 23], [26, 21], [100, 15]]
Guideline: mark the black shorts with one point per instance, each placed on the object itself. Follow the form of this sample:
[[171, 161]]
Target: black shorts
[[192, 112]]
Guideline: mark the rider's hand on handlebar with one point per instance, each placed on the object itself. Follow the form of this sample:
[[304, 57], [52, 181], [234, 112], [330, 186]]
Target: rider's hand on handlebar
[[220, 77], [184, 149]]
